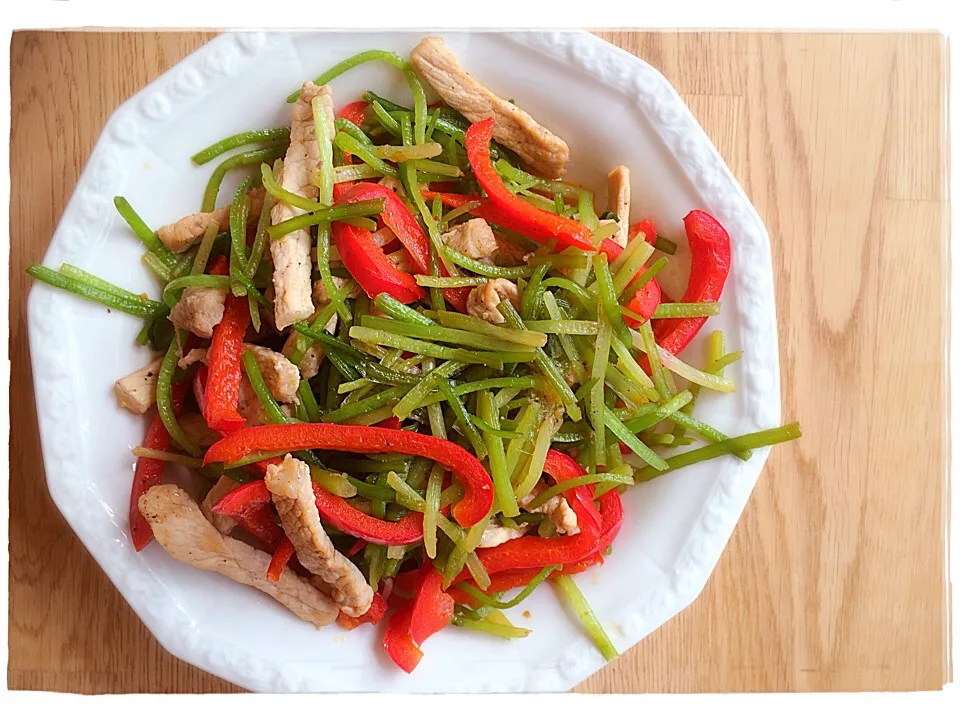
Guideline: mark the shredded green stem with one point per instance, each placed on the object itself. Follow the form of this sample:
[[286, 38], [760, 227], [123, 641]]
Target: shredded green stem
[[268, 135], [138, 308], [664, 245], [149, 238], [387, 339], [185, 460], [646, 276], [485, 269], [581, 607], [527, 591], [563, 327], [541, 445], [525, 427], [509, 632], [391, 58], [71, 271], [448, 282], [349, 144], [506, 498], [472, 324], [165, 398], [751, 441], [364, 208], [467, 428], [170, 295], [686, 310], [632, 441], [423, 388], [251, 157], [554, 490], [349, 411], [401, 153], [156, 266], [432, 509], [437, 333], [406, 495]]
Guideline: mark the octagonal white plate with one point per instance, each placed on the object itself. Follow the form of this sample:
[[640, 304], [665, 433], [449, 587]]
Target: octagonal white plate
[[612, 108]]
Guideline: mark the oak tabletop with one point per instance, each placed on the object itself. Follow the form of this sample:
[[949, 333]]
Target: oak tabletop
[[834, 577]]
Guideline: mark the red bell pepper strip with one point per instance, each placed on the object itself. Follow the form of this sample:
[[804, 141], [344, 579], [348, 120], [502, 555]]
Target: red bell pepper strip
[[392, 423], [370, 266], [335, 510], [346, 518], [432, 608], [378, 608], [220, 266], [356, 547], [537, 552], [355, 112], [223, 358], [538, 225], [611, 514], [281, 556], [397, 640], [709, 266], [477, 485], [396, 216], [242, 499], [560, 467], [199, 392], [148, 472], [644, 302]]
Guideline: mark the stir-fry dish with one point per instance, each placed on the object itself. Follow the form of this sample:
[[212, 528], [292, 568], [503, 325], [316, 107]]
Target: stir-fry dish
[[415, 367]]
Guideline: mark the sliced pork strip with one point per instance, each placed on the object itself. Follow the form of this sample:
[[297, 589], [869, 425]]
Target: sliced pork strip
[[292, 490], [279, 374], [556, 508], [618, 201], [223, 523], [483, 300], [291, 253], [137, 392], [188, 231], [515, 128], [182, 530], [199, 310]]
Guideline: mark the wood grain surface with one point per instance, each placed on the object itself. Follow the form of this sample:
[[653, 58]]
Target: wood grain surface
[[834, 578]]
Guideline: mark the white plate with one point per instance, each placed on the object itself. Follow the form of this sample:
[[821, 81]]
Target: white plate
[[611, 108]]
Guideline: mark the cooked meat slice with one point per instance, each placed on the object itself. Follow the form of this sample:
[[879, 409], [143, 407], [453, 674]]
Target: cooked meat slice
[[618, 200], [197, 429], [280, 375], [473, 238], [507, 253], [180, 528], [197, 355], [292, 491], [309, 364], [384, 236], [320, 296], [188, 231], [291, 253], [513, 127], [137, 391], [199, 310], [249, 407], [223, 523], [556, 508], [496, 534], [483, 300]]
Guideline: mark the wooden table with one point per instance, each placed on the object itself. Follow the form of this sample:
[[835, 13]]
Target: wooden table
[[834, 578]]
